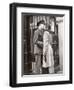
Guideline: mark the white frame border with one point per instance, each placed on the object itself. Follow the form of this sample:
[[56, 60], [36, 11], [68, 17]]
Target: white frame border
[[42, 78]]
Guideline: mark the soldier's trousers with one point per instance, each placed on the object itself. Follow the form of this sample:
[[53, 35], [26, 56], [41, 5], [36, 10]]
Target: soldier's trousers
[[38, 66]]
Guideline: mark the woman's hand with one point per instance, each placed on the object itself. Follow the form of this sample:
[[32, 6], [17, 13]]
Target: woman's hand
[[44, 58]]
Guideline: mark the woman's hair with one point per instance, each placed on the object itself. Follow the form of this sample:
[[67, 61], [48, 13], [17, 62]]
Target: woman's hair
[[49, 27]]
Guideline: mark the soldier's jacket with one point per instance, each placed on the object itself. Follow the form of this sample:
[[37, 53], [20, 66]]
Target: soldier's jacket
[[38, 42]]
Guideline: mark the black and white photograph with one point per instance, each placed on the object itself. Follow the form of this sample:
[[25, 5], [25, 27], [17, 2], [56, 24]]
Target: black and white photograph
[[40, 44]]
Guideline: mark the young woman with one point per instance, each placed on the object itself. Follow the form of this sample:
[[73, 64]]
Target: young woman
[[48, 60]]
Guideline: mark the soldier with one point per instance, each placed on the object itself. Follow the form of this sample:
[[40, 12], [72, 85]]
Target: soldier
[[38, 46]]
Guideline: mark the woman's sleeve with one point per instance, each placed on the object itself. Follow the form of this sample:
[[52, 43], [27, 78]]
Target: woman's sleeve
[[45, 42]]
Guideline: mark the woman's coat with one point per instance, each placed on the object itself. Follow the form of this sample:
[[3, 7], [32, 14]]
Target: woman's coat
[[48, 60]]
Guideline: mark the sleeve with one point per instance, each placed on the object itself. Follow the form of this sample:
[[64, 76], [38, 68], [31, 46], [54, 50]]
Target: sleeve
[[45, 42], [35, 37], [36, 41]]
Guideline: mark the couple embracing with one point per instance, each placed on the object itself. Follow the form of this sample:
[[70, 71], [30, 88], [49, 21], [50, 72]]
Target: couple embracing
[[43, 52]]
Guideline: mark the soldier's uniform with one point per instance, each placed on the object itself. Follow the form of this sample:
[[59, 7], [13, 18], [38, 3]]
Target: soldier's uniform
[[38, 49]]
